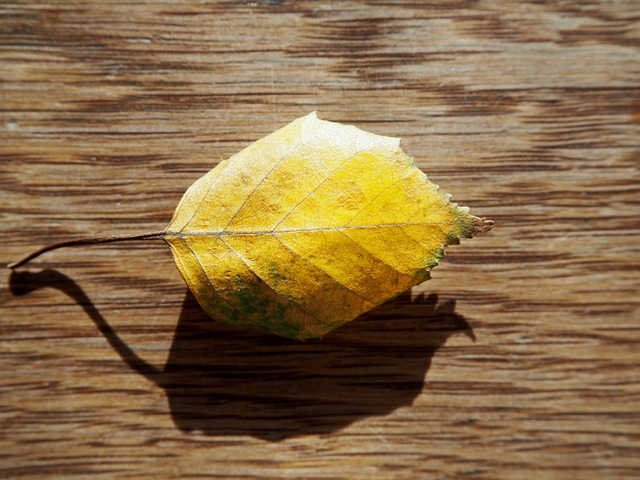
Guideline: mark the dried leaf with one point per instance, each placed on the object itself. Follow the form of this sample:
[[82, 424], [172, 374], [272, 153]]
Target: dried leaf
[[309, 227], [306, 229]]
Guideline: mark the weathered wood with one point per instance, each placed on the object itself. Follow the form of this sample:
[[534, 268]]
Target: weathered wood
[[529, 112]]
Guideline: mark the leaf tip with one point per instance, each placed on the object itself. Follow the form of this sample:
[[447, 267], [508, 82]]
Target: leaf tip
[[481, 225]]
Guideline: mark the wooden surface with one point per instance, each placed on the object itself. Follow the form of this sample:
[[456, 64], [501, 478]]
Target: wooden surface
[[519, 359]]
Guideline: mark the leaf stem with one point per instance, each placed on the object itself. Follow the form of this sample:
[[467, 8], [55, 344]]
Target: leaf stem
[[87, 241]]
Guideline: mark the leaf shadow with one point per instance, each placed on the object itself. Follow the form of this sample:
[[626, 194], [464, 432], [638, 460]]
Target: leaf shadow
[[222, 380]]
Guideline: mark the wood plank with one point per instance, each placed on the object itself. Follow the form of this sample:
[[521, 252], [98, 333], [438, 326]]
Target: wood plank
[[519, 359]]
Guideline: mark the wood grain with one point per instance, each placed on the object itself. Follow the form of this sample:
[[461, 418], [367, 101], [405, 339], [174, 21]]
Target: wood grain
[[518, 360]]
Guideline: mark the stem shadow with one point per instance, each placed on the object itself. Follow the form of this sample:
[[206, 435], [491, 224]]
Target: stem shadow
[[222, 380]]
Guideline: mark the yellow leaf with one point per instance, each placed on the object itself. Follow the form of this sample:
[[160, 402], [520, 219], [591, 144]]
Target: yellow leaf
[[309, 227], [306, 229]]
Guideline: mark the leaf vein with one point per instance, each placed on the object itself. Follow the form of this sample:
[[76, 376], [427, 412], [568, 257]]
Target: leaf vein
[[315, 189], [335, 280], [281, 295], [204, 197], [393, 184], [248, 197], [298, 230], [377, 257], [211, 284]]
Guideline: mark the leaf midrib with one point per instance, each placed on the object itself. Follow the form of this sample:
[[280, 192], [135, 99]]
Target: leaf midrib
[[226, 233]]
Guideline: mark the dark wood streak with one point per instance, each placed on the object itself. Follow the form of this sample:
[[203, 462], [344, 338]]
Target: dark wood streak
[[528, 112]]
